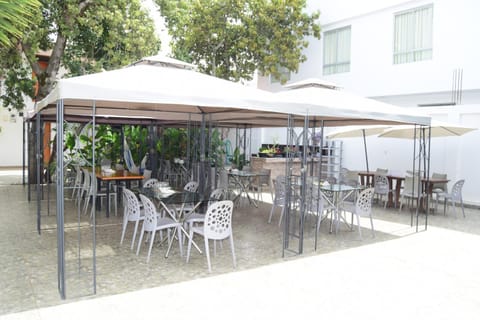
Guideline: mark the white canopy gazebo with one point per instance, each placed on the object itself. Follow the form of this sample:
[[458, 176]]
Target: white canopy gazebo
[[155, 94]]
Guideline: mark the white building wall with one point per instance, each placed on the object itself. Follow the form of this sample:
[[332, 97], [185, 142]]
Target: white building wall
[[11, 142], [373, 74], [372, 70]]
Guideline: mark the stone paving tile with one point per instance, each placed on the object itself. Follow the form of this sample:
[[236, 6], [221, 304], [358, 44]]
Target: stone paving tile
[[29, 262]]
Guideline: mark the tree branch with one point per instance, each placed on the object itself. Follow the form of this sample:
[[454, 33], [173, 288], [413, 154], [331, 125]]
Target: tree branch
[[83, 5], [27, 49]]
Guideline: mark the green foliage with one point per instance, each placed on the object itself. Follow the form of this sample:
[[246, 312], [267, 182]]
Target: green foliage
[[18, 83], [173, 144], [216, 153], [84, 37], [108, 144], [238, 159], [233, 38], [136, 137], [15, 18]]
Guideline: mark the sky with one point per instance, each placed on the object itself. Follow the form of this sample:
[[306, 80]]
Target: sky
[[159, 24]]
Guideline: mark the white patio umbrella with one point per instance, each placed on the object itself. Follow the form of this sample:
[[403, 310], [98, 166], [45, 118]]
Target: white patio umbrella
[[438, 129], [356, 132]]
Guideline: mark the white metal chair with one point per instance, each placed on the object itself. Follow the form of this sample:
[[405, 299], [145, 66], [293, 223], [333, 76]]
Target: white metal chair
[[438, 188], [316, 205], [147, 174], [381, 171], [410, 191], [279, 198], [153, 222], [132, 211], [381, 188], [217, 226], [455, 197], [363, 208], [349, 177], [84, 190], [261, 182], [93, 191], [78, 183]]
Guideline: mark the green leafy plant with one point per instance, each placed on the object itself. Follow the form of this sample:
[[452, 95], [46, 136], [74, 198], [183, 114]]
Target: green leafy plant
[[217, 149], [136, 137], [238, 159]]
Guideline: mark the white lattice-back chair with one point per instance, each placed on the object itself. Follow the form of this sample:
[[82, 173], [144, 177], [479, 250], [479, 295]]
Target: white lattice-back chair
[[217, 226], [455, 197], [191, 186], [149, 183], [381, 188], [363, 208], [279, 198], [153, 222], [188, 207], [132, 212], [196, 217]]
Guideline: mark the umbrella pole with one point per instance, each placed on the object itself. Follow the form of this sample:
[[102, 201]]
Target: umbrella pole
[[365, 147]]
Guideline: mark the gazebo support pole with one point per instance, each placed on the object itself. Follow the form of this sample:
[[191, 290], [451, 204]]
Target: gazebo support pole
[[288, 193], [365, 147], [94, 199], [38, 158], [428, 172], [319, 217], [413, 168], [60, 202], [23, 152], [29, 154], [201, 179]]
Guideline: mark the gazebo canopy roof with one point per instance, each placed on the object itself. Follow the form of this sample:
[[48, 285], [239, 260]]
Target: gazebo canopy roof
[[146, 93]]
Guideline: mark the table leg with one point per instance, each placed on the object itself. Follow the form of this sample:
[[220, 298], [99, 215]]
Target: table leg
[[186, 235], [107, 203]]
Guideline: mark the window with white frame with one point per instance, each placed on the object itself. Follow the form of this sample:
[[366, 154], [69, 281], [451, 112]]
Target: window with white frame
[[336, 51], [413, 35], [284, 75]]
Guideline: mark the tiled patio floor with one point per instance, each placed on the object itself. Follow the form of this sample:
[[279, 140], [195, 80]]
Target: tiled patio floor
[[29, 278]]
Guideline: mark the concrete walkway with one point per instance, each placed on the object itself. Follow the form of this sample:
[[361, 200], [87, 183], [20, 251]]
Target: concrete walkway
[[433, 274], [429, 275]]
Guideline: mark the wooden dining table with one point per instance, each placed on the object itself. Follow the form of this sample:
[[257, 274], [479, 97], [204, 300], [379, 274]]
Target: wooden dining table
[[395, 182], [116, 176]]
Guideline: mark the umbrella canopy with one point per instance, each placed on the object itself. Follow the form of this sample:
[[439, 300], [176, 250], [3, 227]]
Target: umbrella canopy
[[357, 131], [438, 129]]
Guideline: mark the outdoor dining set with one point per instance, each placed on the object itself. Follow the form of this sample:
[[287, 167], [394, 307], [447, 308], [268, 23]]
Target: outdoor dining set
[[182, 214]]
